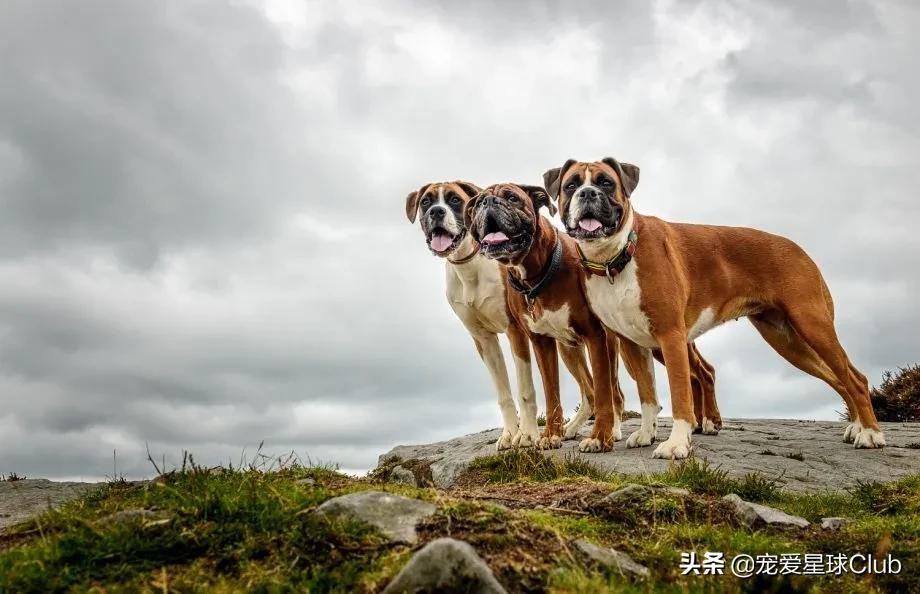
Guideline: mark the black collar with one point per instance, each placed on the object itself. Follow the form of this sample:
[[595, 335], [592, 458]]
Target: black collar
[[615, 265], [549, 271]]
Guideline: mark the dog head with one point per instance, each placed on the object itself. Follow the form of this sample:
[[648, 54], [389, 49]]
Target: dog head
[[439, 207], [593, 197], [504, 219]]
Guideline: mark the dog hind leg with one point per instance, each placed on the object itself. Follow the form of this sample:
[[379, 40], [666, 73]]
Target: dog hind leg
[[576, 362]]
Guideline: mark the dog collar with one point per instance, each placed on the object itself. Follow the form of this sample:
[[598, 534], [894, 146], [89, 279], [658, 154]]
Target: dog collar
[[468, 257], [549, 271], [615, 265]]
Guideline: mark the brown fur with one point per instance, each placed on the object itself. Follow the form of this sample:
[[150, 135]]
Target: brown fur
[[685, 269]]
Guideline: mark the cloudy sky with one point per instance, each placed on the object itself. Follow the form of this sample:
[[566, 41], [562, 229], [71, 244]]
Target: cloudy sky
[[203, 242]]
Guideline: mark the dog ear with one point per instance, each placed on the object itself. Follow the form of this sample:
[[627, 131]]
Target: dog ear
[[468, 209], [627, 172], [540, 198], [471, 189], [412, 202], [553, 177]]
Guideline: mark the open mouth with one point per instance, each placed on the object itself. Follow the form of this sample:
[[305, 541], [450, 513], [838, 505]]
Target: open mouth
[[441, 242], [589, 227], [496, 244]]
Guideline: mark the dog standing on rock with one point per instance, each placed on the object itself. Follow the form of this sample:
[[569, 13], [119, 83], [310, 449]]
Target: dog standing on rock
[[476, 292], [664, 284]]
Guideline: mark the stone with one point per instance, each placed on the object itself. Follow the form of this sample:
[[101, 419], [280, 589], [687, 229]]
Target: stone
[[403, 476], [24, 498], [829, 465], [834, 523], [309, 482], [145, 517], [394, 516], [445, 565], [754, 514], [633, 493], [611, 558]]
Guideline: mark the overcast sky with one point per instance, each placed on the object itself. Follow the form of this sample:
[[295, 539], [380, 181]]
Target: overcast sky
[[203, 242]]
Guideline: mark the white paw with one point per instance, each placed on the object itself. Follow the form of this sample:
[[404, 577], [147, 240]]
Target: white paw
[[869, 439], [852, 430], [709, 428], [673, 449], [552, 442], [641, 438], [617, 432], [590, 445], [504, 442], [524, 439], [570, 429]]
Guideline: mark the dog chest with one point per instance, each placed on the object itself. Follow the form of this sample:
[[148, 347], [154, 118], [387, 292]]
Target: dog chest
[[477, 296], [554, 323], [618, 305]]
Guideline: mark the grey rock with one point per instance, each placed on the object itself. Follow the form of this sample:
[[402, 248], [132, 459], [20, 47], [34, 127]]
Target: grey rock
[[612, 559], [403, 476], [145, 517], [829, 464], [394, 516], [834, 523], [445, 565], [754, 514], [633, 493], [309, 482], [22, 499]]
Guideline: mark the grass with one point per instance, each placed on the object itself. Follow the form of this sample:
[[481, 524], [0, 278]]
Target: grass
[[251, 530]]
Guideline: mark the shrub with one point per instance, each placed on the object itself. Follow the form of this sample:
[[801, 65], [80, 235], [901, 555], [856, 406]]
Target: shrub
[[898, 397]]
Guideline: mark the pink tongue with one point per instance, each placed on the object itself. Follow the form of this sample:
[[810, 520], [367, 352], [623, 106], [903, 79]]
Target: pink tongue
[[495, 238], [589, 224], [439, 242]]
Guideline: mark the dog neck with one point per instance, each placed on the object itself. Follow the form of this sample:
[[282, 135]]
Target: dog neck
[[606, 249], [465, 254], [541, 250]]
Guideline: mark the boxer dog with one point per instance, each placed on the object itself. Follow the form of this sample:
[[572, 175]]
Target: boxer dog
[[547, 301], [476, 293], [664, 284]]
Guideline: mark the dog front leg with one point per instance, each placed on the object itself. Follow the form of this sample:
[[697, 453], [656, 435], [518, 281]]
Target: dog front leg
[[548, 362], [575, 361], [491, 353], [528, 434], [601, 439], [674, 350], [641, 366]]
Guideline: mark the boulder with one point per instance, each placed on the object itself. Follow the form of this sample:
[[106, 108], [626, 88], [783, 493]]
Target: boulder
[[445, 565], [394, 516], [403, 476], [308, 482], [611, 559], [754, 514], [834, 523]]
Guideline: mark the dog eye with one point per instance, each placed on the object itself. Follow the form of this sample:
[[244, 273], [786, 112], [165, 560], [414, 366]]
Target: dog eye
[[454, 199], [512, 197], [426, 201], [606, 182], [571, 185]]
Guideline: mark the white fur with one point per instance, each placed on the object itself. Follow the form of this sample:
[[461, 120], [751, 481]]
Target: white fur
[[450, 223], [618, 305], [709, 428], [869, 438], [576, 209], [554, 323], [677, 445], [528, 434], [704, 323], [581, 417], [851, 431], [649, 427]]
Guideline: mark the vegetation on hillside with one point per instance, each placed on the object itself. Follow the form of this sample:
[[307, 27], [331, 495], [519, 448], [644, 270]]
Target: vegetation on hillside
[[898, 397], [249, 530]]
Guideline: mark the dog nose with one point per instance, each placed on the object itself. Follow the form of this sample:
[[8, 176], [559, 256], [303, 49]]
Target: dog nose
[[436, 212], [591, 193]]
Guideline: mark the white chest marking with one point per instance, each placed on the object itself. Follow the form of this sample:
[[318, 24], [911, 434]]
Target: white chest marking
[[618, 305], [477, 295], [555, 324]]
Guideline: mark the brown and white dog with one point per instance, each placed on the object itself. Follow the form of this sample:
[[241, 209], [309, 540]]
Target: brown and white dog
[[668, 283], [476, 293], [547, 300]]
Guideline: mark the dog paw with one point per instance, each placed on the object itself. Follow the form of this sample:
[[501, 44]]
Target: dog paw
[[570, 429], [677, 449], [869, 439], [505, 442], [709, 427], [523, 439], [550, 442], [617, 432], [640, 439], [590, 445], [852, 430]]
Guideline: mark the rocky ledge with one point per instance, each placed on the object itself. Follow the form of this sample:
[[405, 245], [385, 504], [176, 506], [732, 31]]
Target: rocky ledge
[[800, 455]]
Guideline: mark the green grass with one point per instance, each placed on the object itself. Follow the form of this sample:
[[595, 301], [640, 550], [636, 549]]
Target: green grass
[[247, 530]]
